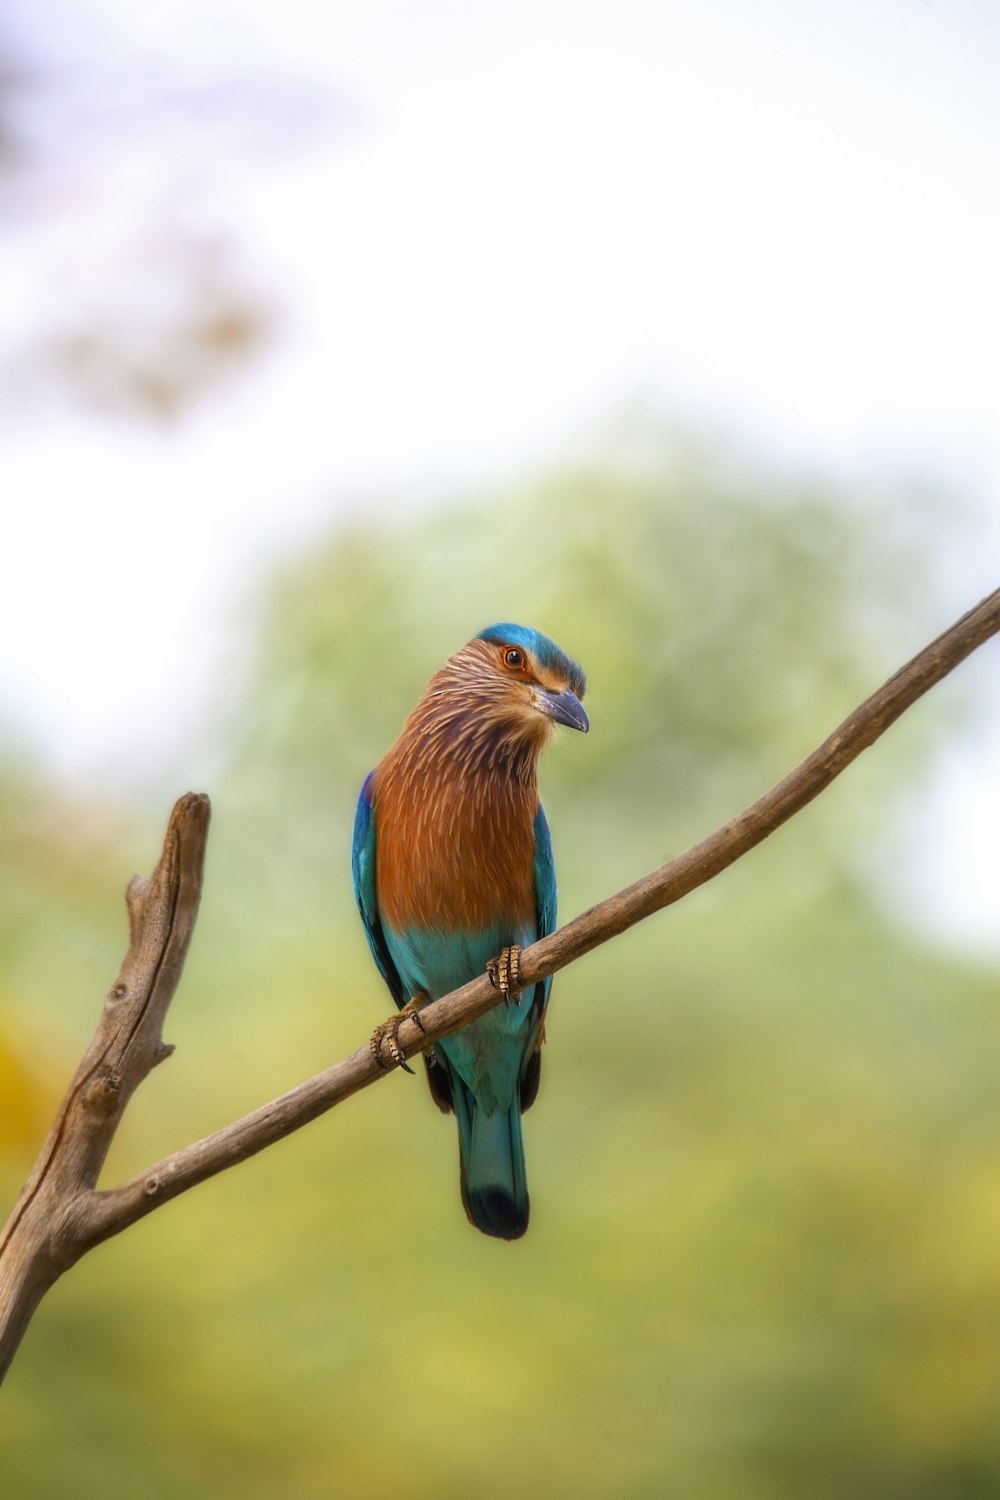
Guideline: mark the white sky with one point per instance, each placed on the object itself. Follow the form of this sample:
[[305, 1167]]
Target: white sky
[[487, 225]]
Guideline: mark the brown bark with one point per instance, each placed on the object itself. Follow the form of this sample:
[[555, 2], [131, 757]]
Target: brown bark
[[51, 1225]]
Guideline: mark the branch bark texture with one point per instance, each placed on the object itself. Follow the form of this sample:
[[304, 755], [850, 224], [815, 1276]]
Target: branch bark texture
[[51, 1225], [61, 1214]]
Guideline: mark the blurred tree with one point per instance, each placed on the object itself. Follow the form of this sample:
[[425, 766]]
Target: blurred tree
[[182, 318], [137, 297]]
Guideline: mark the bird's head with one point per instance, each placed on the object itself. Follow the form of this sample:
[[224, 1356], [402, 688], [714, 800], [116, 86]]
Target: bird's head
[[520, 682]]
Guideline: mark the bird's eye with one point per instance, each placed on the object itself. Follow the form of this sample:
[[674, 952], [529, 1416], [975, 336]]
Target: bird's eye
[[513, 658]]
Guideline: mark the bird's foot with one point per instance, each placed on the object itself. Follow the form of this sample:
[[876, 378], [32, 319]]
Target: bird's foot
[[388, 1034], [505, 973]]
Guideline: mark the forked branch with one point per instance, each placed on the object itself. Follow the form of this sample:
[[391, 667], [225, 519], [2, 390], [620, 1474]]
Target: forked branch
[[61, 1214], [50, 1227]]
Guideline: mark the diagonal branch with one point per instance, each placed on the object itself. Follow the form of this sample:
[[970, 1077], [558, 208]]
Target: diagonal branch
[[61, 1215]]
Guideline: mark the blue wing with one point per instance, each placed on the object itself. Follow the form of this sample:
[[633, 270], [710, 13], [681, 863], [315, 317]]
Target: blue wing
[[363, 868], [545, 886], [545, 922]]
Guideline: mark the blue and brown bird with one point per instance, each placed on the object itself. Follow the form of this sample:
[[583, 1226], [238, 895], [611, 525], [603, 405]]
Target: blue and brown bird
[[453, 874]]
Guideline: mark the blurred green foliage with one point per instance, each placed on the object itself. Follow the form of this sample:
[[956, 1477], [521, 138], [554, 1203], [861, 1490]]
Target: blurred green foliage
[[763, 1162]]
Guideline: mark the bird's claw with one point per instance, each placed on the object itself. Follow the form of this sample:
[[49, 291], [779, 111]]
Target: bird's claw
[[505, 973], [388, 1033]]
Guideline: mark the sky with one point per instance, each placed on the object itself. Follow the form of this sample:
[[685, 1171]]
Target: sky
[[475, 231]]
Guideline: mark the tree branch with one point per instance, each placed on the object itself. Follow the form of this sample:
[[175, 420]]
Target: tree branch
[[61, 1215], [49, 1228]]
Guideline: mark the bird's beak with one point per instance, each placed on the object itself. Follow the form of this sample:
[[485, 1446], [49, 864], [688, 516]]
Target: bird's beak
[[565, 708]]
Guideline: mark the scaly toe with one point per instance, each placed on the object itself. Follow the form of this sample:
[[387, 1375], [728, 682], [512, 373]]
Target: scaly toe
[[505, 973], [388, 1033], [385, 1035]]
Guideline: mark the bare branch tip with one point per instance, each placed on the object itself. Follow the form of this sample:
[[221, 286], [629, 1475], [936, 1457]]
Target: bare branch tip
[[182, 857], [186, 836], [190, 814]]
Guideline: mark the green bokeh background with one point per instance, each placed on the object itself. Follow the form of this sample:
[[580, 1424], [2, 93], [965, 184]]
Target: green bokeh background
[[763, 1163]]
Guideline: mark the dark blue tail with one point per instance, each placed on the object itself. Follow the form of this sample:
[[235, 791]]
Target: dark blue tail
[[491, 1163]]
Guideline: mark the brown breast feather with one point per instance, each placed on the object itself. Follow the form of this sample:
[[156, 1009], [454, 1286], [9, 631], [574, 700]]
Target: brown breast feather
[[455, 845]]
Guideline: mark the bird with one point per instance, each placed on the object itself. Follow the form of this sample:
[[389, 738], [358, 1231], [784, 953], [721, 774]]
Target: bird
[[453, 875]]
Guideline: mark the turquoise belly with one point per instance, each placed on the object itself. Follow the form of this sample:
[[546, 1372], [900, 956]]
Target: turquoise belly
[[487, 1054]]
